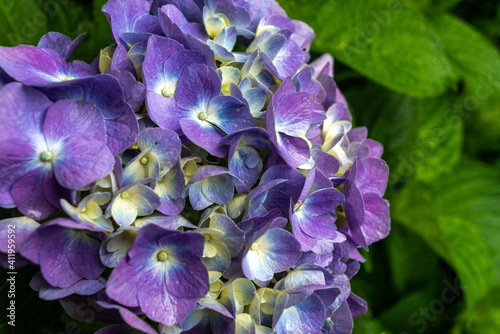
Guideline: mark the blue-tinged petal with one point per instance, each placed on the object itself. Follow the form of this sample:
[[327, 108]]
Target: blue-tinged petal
[[253, 268], [245, 164], [55, 265], [289, 59], [203, 134], [83, 157], [113, 249], [28, 193], [163, 143], [233, 236], [23, 109], [129, 317], [218, 189], [83, 255], [122, 15], [355, 212], [198, 84], [298, 278], [229, 114], [169, 188], [322, 201], [144, 165], [370, 175], [33, 66], [173, 222], [294, 150], [159, 50], [321, 227], [103, 90], [134, 91], [221, 261], [256, 99], [188, 277], [106, 93], [48, 292], [214, 305], [278, 250], [306, 316], [158, 303], [377, 222], [164, 111], [220, 53], [60, 43], [293, 114], [144, 198], [121, 287], [176, 63], [196, 197], [24, 227], [169, 27], [121, 132], [16, 161], [342, 320]]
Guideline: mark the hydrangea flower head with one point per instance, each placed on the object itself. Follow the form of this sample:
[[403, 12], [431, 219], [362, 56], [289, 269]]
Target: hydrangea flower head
[[200, 176]]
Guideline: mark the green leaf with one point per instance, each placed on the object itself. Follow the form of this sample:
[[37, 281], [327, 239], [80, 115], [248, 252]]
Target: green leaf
[[367, 324], [407, 251], [421, 137], [381, 39], [432, 5], [473, 193], [458, 217], [477, 62], [98, 33], [439, 141], [485, 319], [471, 55], [26, 21]]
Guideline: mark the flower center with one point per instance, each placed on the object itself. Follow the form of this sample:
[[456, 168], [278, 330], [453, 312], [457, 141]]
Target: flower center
[[207, 237], [165, 92], [162, 256], [254, 247], [46, 156], [84, 209], [125, 194], [144, 161], [202, 115]]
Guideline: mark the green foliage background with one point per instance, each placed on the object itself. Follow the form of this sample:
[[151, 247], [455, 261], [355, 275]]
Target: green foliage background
[[424, 77]]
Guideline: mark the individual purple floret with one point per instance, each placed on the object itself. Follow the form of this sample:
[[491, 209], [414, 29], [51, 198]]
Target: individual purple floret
[[17, 230], [41, 66], [244, 159], [162, 273], [59, 247], [288, 119], [205, 116], [313, 216], [132, 201], [367, 213], [46, 147], [60, 43], [202, 176], [160, 151], [270, 250], [105, 92], [210, 184], [130, 21]]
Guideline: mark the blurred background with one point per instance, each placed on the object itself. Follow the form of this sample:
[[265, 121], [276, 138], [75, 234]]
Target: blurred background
[[424, 77]]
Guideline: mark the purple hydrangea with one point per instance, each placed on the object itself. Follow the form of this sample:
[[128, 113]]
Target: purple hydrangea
[[201, 176]]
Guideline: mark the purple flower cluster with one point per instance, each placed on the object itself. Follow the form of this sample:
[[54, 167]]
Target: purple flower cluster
[[202, 160]]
